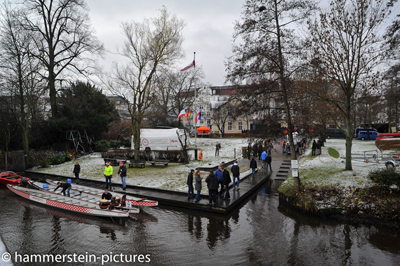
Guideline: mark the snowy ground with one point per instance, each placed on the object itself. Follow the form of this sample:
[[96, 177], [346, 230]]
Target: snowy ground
[[324, 170], [172, 177]]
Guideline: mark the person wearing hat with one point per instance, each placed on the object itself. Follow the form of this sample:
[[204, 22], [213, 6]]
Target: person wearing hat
[[64, 186], [190, 185], [122, 174], [108, 171]]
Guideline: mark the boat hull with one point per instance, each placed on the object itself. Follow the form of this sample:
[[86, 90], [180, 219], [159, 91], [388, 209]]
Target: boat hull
[[388, 141], [75, 194], [95, 191], [88, 210], [10, 178]]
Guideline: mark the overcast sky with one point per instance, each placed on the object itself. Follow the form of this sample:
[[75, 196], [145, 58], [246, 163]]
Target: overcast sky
[[208, 31]]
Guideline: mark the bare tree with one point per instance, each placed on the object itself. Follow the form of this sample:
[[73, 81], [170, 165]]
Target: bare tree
[[270, 51], [219, 117], [176, 90], [149, 46], [392, 94], [346, 42], [19, 69], [229, 109], [63, 38]]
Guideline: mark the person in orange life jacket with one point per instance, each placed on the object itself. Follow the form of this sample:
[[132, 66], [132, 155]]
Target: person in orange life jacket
[[283, 146]]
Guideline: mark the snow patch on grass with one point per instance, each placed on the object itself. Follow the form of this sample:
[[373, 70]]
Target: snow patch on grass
[[172, 177]]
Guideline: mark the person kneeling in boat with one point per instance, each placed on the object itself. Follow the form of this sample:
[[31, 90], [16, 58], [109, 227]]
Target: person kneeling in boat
[[106, 195], [64, 186]]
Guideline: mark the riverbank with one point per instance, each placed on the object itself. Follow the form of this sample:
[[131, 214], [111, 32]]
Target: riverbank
[[330, 191]]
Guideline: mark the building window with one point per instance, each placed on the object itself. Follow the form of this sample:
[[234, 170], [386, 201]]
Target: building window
[[230, 126], [208, 121], [240, 126], [229, 111]]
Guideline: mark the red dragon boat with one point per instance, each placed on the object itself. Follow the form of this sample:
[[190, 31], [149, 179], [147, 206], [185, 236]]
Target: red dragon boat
[[388, 141], [11, 178]]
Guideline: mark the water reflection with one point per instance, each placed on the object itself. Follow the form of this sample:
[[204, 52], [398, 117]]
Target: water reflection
[[260, 232], [56, 239], [217, 229], [109, 232]]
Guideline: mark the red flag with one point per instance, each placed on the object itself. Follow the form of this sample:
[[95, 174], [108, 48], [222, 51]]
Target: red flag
[[193, 64]]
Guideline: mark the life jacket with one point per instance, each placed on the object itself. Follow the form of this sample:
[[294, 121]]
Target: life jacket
[[108, 170]]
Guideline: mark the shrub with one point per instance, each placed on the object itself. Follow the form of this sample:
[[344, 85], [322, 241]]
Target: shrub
[[115, 144], [58, 158], [44, 162], [127, 142], [101, 145], [385, 177]]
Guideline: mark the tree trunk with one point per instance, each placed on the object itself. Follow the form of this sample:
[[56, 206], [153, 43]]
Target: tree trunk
[[349, 136], [282, 79], [183, 145], [136, 139]]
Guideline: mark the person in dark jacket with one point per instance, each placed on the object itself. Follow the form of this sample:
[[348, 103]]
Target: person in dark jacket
[[226, 182], [319, 147], [122, 174], [253, 165], [268, 160], [197, 185], [259, 151], [76, 171], [106, 195], [220, 176], [64, 186], [190, 185], [236, 175], [249, 151], [212, 184], [313, 148]]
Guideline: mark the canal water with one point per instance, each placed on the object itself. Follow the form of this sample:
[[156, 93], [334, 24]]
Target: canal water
[[259, 233]]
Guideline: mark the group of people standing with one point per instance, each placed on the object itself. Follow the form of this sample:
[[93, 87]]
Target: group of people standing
[[258, 148], [316, 147], [108, 172], [264, 154], [220, 178]]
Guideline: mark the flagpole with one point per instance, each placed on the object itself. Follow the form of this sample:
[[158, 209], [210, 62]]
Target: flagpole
[[195, 132]]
